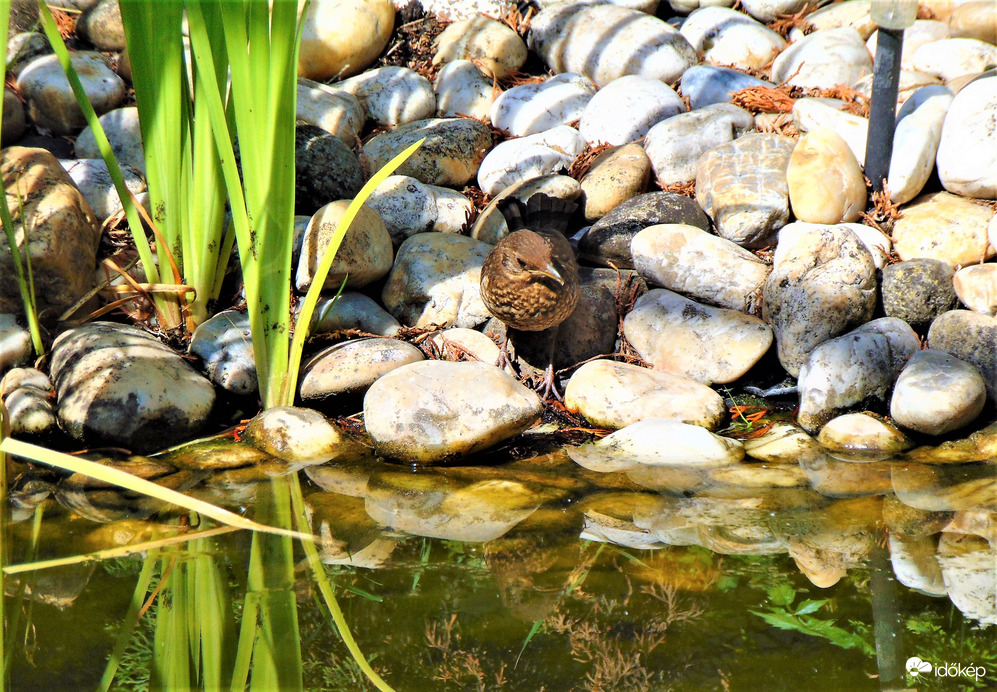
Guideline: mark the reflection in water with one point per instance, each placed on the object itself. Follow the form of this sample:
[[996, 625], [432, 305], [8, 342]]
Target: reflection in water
[[544, 572]]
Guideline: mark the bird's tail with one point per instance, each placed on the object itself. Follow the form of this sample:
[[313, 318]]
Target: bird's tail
[[541, 213]]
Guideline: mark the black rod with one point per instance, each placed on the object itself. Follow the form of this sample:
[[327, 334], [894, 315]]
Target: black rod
[[882, 108]]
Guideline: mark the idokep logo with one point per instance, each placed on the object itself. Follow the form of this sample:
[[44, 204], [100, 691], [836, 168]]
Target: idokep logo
[[916, 667]]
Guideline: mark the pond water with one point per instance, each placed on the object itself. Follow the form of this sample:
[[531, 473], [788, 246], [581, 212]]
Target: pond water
[[532, 575]]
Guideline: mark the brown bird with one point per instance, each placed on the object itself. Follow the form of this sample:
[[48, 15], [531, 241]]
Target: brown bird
[[530, 279]]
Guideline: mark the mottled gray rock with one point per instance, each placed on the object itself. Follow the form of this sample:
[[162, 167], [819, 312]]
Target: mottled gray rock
[[608, 240], [676, 144], [707, 84], [51, 104], [605, 42], [351, 367], [967, 152], [27, 395], [700, 265], [336, 111], [742, 186], [101, 25], [325, 169], [24, 47], [536, 107], [119, 385], [224, 343], [625, 109], [702, 343], [13, 117], [918, 290], [392, 95], [124, 133], [94, 181], [435, 411], [353, 311], [937, 393], [823, 283], [435, 280], [615, 395], [971, 337], [62, 227], [450, 156], [364, 255], [848, 370], [298, 436]]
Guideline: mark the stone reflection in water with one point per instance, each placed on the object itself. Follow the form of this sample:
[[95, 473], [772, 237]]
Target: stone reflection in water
[[944, 488], [837, 478], [969, 569], [347, 534]]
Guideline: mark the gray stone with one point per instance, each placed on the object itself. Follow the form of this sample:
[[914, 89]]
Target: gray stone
[[823, 283], [463, 89], [15, 342], [728, 37], [27, 394], [224, 343], [51, 103], [967, 152], [124, 133], [971, 337], [937, 393], [352, 311], [351, 367], [435, 411], [707, 84], [491, 43], [608, 240], [364, 255], [918, 290], [298, 435], [101, 25], [24, 47], [823, 59], [94, 181], [13, 118], [915, 142], [119, 385], [742, 186], [528, 157], [325, 169]]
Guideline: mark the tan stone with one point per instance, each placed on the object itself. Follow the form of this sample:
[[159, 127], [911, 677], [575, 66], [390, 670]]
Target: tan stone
[[975, 20], [825, 181], [340, 38], [364, 255], [976, 286], [62, 232], [488, 42], [615, 176], [945, 227]]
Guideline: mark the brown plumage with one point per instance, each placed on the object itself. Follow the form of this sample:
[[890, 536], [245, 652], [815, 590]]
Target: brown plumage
[[530, 279]]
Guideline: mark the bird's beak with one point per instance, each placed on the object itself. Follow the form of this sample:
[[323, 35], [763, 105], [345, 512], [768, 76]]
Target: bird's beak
[[549, 271]]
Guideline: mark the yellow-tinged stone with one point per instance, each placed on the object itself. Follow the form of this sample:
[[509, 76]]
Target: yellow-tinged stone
[[340, 38], [487, 42], [945, 227], [825, 180]]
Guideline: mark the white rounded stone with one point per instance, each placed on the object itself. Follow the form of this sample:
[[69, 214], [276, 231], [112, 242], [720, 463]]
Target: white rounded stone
[[529, 157], [660, 442], [462, 89], [626, 108], [392, 95], [537, 107]]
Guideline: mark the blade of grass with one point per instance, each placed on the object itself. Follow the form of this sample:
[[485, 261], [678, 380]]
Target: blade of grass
[[128, 624], [139, 485]]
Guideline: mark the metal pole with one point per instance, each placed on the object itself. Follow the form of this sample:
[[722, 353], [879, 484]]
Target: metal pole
[[882, 108]]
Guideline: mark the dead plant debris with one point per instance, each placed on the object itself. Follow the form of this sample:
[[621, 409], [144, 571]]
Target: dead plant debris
[[583, 162]]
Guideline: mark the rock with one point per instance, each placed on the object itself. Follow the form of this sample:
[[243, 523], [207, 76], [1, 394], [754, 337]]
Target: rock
[[684, 7], [491, 227], [823, 59], [340, 38], [823, 282], [727, 37], [701, 266], [915, 143], [336, 111], [923, 31], [527, 157], [954, 57], [536, 107], [783, 443], [351, 367], [660, 442], [967, 152], [15, 342], [297, 435], [811, 113], [918, 290], [435, 411], [937, 393], [458, 343], [825, 181], [976, 287], [976, 19], [119, 385], [608, 240], [352, 311], [854, 14], [615, 395], [461, 88], [946, 488], [706, 85], [742, 186], [365, 254], [406, 206], [675, 145], [94, 182], [51, 104], [24, 47], [605, 42], [27, 396], [450, 156], [945, 227], [487, 41], [767, 10], [864, 436], [453, 210], [625, 109], [63, 233], [13, 117], [875, 241], [967, 564], [101, 25], [616, 175], [435, 280], [124, 133], [915, 565], [392, 95], [225, 345], [971, 337], [705, 344], [851, 369], [844, 478]]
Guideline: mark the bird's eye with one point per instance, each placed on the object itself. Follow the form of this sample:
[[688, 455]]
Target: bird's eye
[[520, 264]]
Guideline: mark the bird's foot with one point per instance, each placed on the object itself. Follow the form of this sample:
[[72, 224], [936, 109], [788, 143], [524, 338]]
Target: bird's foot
[[547, 389]]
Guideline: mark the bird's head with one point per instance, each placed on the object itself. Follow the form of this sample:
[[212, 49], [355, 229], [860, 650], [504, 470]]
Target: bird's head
[[528, 255]]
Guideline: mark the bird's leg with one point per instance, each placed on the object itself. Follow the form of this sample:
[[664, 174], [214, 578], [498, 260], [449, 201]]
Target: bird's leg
[[549, 387]]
